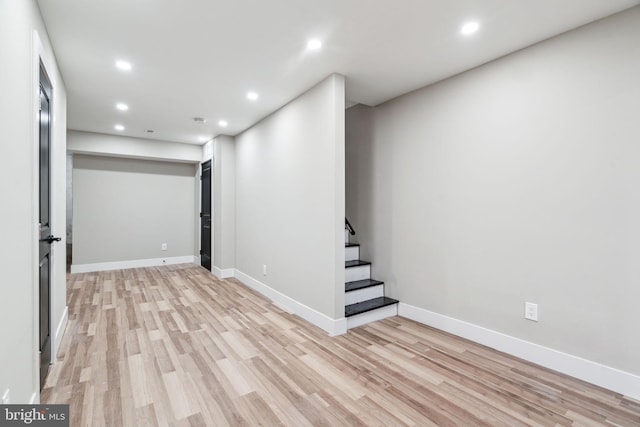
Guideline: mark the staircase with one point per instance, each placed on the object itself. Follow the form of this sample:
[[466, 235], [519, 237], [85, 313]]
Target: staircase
[[363, 297]]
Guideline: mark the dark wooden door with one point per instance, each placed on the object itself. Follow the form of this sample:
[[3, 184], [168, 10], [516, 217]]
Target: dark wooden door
[[45, 227], [205, 217]]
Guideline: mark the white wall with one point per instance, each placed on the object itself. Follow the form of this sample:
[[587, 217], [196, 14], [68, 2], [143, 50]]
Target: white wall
[[224, 203], [138, 148], [124, 209], [22, 39], [290, 199], [516, 181], [359, 171]]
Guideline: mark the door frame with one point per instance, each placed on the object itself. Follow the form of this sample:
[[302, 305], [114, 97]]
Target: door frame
[[57, 309]]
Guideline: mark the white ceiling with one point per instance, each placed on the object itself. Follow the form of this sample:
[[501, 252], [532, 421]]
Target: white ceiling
[[199, 58]]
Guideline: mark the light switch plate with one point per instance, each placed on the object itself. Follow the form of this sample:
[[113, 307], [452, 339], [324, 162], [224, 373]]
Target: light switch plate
[[531, 311]]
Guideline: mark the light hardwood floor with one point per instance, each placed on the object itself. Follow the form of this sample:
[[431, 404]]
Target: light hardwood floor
[[174, 346]]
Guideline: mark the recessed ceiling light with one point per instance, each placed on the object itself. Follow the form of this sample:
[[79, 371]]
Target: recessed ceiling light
[[223, 123], [252, 96], [469, 28], [119, 127], [314, 44], [122, 107], [123, 65]]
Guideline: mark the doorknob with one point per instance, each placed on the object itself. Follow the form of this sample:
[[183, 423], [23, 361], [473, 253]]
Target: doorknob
[[51, 239]]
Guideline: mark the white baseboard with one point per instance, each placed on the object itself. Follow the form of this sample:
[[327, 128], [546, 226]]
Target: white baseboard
[[223, 273], [57, 339], [586, 370], [332, 326], [136, 263]]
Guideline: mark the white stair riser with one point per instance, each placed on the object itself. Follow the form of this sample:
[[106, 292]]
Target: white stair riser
[[363, 294], [360, 272], [351, 253], [372, 316]]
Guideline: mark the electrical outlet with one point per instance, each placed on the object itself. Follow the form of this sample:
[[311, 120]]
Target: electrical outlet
[[6, 398], [164, 246], [264, 269], [531, 311]]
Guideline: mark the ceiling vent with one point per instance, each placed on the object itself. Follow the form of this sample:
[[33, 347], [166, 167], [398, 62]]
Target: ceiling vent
[[200, 120]]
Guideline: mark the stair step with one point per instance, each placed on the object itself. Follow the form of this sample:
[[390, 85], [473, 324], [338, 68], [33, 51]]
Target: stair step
[[361, 284], [355, 263], [357, 270], [351, 253], [364, 306], [348, 245], [364, 294]]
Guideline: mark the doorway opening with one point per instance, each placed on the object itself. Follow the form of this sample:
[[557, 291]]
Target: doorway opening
[[205, 216], [69, 207]]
